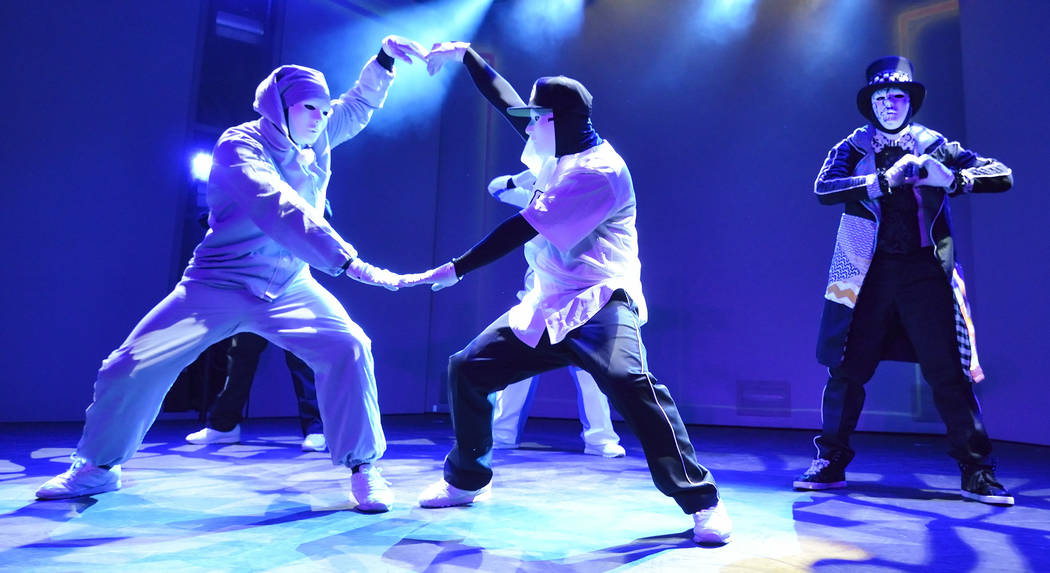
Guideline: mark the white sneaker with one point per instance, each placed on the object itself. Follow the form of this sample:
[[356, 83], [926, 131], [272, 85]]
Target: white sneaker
[[443, 494], [213, 436], [370, 490], [80, 479], [712, 525], [314, 443], [606, 450]]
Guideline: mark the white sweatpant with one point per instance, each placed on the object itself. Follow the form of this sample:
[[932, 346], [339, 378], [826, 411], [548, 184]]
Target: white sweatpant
[[512, 404], [306, 320]]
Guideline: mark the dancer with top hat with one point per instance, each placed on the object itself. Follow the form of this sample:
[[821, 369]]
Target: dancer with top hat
[[890, 287]]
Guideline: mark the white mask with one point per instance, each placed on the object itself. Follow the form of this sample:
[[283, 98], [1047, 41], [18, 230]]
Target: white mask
[[541, 167], [891, 107], [530, 158], [307, 120]]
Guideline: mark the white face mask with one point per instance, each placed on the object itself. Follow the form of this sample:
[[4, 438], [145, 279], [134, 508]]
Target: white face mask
[[307, 120], [891, 106], [541, 133], [530, 158], [540, 166]]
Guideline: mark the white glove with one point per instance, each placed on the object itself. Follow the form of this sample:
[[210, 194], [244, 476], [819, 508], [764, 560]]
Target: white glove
[[439, 278], [937, 174], [403, 49], [904, 171], [514, 190], [372, 275], [445, 52]]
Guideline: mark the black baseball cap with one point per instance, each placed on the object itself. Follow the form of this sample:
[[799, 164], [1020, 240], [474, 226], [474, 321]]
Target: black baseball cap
[[559, 94]]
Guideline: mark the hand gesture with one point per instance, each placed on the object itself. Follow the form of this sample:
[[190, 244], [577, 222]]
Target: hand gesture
[[904, 172], [363, 272], [444, 52], [936, 173], [403, 49], [439, 278]]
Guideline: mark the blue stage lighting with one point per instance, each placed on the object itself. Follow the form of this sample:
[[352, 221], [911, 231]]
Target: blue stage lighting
[[416, 97], [540, 26], [725, 20], [200, 166]]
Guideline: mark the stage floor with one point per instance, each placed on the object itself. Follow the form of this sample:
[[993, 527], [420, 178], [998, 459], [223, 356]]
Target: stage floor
[[263, 505]]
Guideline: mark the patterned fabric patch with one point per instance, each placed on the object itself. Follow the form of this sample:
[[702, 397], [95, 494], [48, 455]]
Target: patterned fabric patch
[[851, 259], [843, 293], [841, 267], [964, 330], [904, 140]]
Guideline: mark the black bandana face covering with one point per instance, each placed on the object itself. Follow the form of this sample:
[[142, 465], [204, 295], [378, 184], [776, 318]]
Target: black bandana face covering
[[573, 133]]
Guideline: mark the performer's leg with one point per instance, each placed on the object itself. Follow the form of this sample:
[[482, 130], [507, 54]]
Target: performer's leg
[[305, 394], [309, 322], [843, 397], [491, 362], [928, 316], [133, 380], [242, 359], [511, 412], [598, 432], [609, 347]]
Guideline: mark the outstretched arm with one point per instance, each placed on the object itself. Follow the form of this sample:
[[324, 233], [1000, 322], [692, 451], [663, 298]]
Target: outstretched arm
[[509, 235], [496, 90]]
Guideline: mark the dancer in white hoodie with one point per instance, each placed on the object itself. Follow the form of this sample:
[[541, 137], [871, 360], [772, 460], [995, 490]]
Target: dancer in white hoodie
[[250, 273]]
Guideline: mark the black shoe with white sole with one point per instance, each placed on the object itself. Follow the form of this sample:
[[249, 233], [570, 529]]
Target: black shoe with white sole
[[979, 484]]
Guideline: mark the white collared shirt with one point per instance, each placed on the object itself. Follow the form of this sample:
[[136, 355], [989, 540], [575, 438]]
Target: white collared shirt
[[587, 246]]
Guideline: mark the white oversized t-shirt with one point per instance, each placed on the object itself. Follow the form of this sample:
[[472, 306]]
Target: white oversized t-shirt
[[587, 246]]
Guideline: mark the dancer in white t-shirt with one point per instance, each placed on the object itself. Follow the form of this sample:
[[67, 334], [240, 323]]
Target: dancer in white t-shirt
[[586, 308]]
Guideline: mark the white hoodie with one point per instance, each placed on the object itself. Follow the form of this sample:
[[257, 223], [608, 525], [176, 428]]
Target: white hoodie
[[266, 197]]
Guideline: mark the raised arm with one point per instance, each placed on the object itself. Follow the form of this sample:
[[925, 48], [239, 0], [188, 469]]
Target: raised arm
[[496, 90], [352, 111]]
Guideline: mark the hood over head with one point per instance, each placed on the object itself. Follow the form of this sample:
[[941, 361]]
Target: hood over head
[[284, 87]]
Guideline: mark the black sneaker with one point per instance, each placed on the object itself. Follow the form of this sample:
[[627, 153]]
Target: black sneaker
[[979, 484], [823, 474]]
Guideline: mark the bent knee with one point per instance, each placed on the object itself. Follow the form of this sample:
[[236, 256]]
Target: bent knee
[[463, 365], [354, 341], [119, 364], [457, 361]]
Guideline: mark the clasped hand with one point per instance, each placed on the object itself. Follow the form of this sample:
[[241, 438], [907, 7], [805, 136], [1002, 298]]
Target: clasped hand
[[368, 274], [908, 171], [439, 278]]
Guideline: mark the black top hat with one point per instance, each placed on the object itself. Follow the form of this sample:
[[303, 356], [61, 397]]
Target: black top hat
[[559, 94], [889, 72]]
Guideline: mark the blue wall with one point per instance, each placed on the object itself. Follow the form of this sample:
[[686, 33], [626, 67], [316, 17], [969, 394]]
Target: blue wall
[[1006, 81], [96, 104], [723, 123]]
